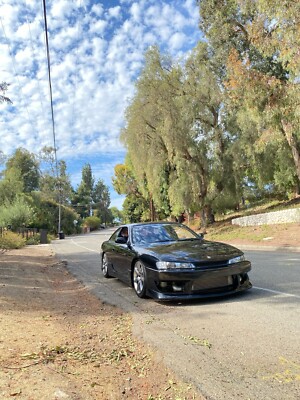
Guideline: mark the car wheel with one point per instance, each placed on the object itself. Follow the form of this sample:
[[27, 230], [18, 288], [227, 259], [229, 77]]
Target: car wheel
[[105, 266], [139, 279]]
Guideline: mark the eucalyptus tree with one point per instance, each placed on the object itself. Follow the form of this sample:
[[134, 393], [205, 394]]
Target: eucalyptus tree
[[259, 45], [150, 114], [176, 134], [211, 134]]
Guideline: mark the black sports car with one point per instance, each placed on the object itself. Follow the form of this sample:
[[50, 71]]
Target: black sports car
[[169, 261]]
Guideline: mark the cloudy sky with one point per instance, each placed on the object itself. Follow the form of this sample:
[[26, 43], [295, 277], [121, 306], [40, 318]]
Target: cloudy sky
[[96, 52]]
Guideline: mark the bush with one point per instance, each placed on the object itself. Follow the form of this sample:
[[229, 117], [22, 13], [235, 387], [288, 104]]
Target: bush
[[32, 240], [92, 222], [11, 240]]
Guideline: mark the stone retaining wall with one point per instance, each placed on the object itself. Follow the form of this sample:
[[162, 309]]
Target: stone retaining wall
[[276, 217]]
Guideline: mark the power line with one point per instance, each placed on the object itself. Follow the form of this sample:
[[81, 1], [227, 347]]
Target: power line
[[50, 85]]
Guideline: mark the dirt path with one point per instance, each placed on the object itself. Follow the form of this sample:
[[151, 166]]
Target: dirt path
[[57, 341]]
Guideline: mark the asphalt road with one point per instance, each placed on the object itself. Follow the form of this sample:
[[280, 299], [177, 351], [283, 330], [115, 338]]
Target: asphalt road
[[242, 347]]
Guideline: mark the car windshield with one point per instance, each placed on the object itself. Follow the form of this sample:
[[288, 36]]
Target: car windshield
[[154, 233]]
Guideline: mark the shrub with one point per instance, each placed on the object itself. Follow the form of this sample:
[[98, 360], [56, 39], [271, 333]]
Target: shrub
[[11, 240], [32, 240], [92, 222]]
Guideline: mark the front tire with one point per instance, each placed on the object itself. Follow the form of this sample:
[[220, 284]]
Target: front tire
[[139, 278], [105, 266]]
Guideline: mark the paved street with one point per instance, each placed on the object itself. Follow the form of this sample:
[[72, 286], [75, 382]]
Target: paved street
[[243, 347]]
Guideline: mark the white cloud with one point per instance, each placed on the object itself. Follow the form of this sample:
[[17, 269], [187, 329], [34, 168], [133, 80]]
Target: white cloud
[[114, 12]]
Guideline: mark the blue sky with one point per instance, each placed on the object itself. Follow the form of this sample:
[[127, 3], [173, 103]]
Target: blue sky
[[97, 51]]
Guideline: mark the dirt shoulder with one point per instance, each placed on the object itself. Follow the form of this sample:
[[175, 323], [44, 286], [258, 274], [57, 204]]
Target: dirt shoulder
[[267, 237], [57, 341]]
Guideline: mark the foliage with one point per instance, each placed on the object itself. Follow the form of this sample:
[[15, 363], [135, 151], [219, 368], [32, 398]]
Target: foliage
[[177, 126], [92, 222], [92, 197], [54, 181], [46, 215], [101, 201], [11, 240], [10, 186], [124, 181], [33, 240], [135, 209], [26, 163], [117, 215], [16, 214], [257, 47]]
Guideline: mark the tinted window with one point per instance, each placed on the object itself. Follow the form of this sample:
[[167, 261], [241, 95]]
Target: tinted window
[[154, 233]]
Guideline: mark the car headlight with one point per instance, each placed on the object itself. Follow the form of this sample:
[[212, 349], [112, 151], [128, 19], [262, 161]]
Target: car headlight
[[236, 259], [166, 265]]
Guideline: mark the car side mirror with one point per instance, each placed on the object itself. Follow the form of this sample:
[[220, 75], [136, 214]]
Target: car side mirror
[[121, 240]]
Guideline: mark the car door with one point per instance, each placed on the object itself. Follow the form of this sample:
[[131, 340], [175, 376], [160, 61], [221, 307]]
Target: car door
[[123, 256]]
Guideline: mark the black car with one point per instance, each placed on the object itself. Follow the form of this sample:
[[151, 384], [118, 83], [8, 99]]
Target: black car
[[169, 261]]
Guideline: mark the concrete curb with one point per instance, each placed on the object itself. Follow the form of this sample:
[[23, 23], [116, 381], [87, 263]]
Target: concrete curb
[[253, 247]]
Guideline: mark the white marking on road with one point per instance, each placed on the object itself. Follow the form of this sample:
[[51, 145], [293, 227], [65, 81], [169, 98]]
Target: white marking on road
[[76, 244], [277, 292]]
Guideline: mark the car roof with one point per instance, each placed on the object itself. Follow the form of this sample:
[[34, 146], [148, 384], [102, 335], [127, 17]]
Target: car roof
[[151, 223]]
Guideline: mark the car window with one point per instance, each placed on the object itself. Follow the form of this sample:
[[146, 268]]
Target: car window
[[115, 235], [124, 233], [183, 233]]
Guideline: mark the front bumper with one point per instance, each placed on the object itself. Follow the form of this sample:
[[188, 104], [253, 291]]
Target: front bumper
[[198, 283]]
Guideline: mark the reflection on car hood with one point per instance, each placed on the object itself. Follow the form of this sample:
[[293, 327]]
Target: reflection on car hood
[[191, 251]]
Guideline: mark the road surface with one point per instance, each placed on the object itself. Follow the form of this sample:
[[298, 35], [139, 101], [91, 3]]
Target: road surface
[[242, 347]]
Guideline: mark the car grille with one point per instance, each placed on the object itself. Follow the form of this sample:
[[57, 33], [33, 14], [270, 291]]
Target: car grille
[[211, 264]]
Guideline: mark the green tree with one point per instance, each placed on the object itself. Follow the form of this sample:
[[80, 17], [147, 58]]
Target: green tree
[[28, 165], [16, 213], [117, 215], [101, 201], [124, 182], [11, 185], [55, 182], [82, 197], [46, 213], [256, 45], [177, 126]]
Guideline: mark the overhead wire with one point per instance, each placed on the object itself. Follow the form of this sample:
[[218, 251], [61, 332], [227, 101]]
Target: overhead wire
[[50, 85]]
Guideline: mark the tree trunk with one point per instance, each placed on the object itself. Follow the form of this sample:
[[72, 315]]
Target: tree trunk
[[293, 143], [152, 210], [207, 216]]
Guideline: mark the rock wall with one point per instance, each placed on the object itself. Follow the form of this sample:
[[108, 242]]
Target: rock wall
[[276, 217]]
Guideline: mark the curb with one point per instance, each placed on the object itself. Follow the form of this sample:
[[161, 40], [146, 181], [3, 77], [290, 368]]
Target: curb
[[254, 247]]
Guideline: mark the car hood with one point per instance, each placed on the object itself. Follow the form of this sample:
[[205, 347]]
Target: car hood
[[191, 251]]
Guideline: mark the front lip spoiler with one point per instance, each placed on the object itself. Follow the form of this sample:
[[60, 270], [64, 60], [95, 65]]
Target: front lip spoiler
[[169, 297]]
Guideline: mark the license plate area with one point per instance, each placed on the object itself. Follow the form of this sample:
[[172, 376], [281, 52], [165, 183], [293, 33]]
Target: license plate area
[[212, 282]]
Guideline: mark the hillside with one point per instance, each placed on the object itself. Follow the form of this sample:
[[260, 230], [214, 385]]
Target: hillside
[[279, 235]]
